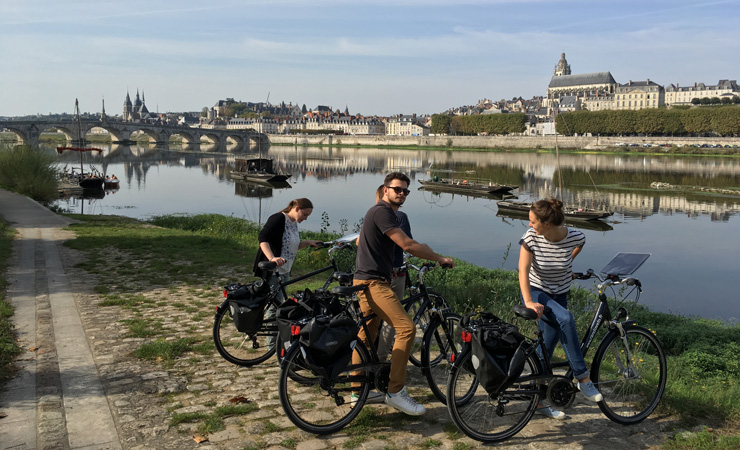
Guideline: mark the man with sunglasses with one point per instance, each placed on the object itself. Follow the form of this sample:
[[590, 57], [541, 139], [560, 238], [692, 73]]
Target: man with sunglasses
[[374, 268]]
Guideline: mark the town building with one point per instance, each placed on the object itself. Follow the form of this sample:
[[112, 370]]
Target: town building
[[637, 95], [683, 95]]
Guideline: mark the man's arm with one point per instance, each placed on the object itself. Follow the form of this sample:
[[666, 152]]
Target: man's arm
[[415, 248]]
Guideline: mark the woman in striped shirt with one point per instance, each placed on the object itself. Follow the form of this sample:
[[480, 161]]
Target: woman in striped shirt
[[545, 274]]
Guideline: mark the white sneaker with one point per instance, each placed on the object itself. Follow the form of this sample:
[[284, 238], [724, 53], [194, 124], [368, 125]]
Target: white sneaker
[[550, 412], [403, 402], [590, 391], [372, 397]]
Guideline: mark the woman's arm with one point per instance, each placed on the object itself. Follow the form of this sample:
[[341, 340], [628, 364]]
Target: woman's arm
[[267, 250], [525, 264], [305, 244]]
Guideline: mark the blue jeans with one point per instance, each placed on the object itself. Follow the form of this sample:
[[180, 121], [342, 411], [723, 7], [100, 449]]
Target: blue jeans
[[559, 325]]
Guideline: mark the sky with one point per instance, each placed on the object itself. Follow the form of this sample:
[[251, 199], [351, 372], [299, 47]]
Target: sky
[[374, 58]]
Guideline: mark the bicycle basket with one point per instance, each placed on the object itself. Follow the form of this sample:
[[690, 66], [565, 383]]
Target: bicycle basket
[[498, 353], [328, 343]]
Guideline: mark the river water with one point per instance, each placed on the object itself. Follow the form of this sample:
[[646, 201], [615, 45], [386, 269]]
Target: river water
[[692, 235]]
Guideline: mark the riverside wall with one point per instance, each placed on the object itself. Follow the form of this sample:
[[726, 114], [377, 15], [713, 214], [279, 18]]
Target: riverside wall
[[520, 142]]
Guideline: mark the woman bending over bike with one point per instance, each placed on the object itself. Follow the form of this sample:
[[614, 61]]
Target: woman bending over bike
[[545, 274], [279, 243]]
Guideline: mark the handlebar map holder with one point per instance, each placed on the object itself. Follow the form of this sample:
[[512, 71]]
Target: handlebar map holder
[[625, 263]]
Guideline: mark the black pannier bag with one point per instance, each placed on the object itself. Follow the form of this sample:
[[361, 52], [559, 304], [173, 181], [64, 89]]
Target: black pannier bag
[[499, 352], [247, 304], [328, 343], [304, 304]]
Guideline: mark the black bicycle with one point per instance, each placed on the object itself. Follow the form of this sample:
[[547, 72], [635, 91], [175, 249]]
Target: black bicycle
[[258, 342], [629, 369]]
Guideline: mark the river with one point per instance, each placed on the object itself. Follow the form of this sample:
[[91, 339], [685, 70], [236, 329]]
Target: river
[[692, 235]]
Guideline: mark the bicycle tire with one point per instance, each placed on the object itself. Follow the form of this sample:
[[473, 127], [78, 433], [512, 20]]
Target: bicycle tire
[[631, 390], [442, 342], [488, 418], [306, 400], [243, 349], [422, 324]]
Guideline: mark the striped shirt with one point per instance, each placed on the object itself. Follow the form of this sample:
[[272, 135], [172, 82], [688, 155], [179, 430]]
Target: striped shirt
[[552, 262]]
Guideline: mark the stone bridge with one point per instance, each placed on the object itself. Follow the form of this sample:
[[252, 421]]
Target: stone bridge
[[28, 132]]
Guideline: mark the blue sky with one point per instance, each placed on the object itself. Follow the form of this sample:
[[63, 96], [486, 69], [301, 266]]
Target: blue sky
[[381, 57]]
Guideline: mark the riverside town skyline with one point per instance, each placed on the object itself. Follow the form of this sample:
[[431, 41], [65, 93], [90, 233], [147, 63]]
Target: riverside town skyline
[[382, 59]]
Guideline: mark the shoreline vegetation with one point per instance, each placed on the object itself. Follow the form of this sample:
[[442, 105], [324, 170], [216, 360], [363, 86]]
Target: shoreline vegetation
[[208, 251]]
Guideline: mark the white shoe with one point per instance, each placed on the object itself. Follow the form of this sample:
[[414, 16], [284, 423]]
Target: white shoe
[[403, 402], [590, 391], [551, 413], [372, 397]]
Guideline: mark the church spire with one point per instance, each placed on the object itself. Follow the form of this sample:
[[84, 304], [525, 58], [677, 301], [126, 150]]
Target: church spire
[[563, 68]]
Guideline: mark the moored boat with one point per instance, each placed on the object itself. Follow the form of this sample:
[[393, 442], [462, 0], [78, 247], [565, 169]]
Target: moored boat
[[257, 169], [465, 186], [571, 213]]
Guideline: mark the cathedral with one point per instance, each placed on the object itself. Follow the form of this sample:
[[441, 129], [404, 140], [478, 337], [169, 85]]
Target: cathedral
[[136, 111]]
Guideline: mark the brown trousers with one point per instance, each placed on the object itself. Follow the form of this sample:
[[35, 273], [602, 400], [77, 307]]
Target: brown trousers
[[380, 299]]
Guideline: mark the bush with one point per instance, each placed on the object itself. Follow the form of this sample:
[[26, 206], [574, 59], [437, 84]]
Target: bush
[[30, 172]]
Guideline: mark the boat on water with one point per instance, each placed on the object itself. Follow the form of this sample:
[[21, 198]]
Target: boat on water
[[257, 170], [111, 183], [465, 186], [571, 213], [596, 225], [86, 180]]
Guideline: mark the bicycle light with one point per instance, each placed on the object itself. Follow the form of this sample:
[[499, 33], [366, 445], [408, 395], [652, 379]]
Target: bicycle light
[[295, 330], [466, 336]]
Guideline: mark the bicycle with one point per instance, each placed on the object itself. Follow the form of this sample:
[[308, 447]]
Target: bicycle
[[628, 368], [251, 348], [322, 403]]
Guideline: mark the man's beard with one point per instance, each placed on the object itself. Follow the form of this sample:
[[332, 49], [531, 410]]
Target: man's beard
[[397, 202]]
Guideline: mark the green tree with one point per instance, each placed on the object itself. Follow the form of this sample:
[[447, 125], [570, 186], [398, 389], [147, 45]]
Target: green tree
[[441, 123], [304, 110]]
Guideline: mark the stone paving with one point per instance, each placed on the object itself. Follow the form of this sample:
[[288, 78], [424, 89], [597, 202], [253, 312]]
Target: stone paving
[[150, 400], [147, 395]]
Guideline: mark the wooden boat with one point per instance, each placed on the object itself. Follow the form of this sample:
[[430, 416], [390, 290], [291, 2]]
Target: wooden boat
[[257, 169], [571, 213], [89, 180], [596, 225], [465, 186]]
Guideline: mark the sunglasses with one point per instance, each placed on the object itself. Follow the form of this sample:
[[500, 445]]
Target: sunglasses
[[399, 190]]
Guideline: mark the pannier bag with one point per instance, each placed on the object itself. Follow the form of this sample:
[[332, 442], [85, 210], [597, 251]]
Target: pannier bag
[[499, 352], [328, 343], [247, 305], [304, 304]]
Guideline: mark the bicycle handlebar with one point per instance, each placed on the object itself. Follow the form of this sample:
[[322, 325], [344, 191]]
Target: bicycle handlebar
[[607, 280]]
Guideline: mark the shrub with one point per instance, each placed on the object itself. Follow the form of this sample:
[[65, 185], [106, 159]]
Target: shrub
[[30, 172]]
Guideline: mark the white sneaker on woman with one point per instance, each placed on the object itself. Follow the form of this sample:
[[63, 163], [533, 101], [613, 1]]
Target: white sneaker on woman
[[551, 413], [403, 402]]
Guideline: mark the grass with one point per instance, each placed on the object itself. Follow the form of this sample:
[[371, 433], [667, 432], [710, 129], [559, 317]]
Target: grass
[[28, 171], [214, 421], [703, 355], [9, 349]]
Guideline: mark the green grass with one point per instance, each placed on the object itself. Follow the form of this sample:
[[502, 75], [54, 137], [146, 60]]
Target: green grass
[[29, 171], [8, 347], [214, 421]]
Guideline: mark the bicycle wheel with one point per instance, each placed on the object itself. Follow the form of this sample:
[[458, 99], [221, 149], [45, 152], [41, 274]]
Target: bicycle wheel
[[441, 341], [491, 418], [422, 323], [243, 349], [316, 404], [630, 373]]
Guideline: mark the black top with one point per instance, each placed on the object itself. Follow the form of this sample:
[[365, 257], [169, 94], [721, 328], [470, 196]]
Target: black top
[[272, 233], [375, 250]]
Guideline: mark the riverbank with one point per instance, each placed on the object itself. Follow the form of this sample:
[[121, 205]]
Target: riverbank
[[642, 144], [146, 292]]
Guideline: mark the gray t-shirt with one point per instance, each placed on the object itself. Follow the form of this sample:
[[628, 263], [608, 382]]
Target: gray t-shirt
[[375, 250]]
